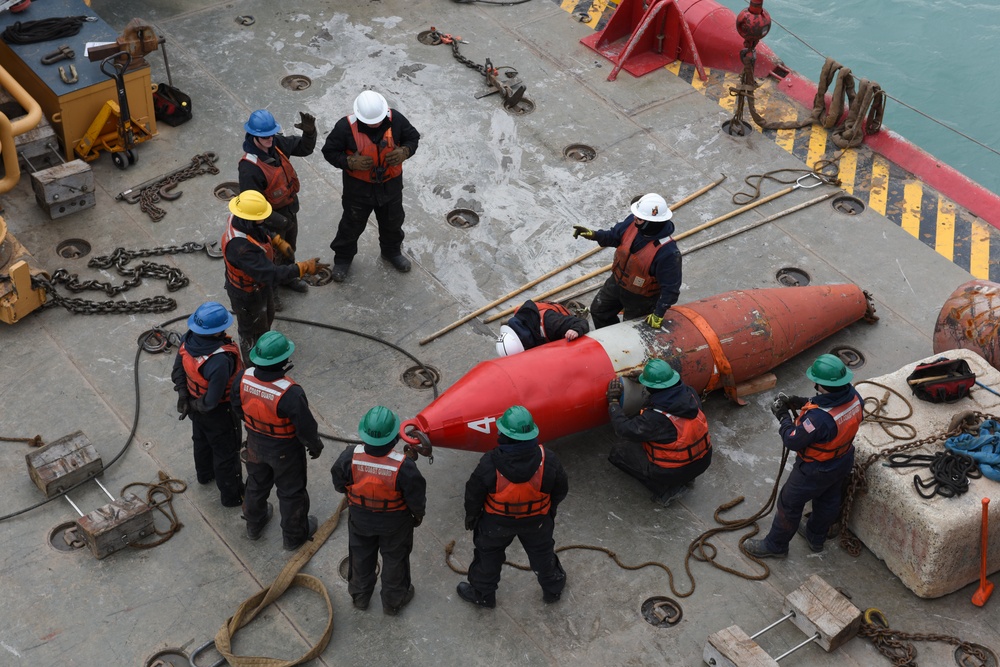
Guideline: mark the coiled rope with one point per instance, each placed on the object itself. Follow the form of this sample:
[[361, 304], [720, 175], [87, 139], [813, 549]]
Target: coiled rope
[[43, 30]]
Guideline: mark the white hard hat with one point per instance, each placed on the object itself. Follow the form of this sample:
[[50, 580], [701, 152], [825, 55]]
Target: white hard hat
[[652, 207], [370, 107], [508, 343]]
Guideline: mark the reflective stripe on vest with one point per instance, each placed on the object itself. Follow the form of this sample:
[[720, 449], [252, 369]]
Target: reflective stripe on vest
[[632, 270], [376, 153], [544, 307], [259, 400], [196, 383], [692, 442], [236, 277], [374, 485], [848, 418], [282, 181], [521, 499]]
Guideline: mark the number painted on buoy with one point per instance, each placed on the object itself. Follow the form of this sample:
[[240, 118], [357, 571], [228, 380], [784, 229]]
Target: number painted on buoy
[[482, 425]]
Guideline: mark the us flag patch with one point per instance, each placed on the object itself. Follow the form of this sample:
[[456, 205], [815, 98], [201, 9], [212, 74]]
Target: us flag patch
[[808, 426]]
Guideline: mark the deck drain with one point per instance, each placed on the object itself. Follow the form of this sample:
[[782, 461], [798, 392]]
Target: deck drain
[[245, 19], [168, 657], [579, 153], [661, 612], [851, 357], [64, 537], [345, 566], [964, 657], [741, 130], [429, 37], [522, 108], [155, 341], [463, 218], [848, 205], [296, 82], [792, 277], [226, 191], [418, 377], [73, 249]]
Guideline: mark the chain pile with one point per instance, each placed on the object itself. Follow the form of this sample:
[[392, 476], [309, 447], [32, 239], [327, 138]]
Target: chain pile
[[151, 194], [896, 645]]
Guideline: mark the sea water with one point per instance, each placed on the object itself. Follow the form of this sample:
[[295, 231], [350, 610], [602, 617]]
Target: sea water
[[938, 56]]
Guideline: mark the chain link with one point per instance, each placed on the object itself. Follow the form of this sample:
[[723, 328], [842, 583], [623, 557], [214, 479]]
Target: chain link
[[152, 193], [896, 645]]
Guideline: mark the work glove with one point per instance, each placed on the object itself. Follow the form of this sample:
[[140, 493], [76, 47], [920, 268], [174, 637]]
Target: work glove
[[307, 124], [276, 222], [397, 155], [583, 231], [358, 162], [283, 247], [417, 520], [183, 407], [654, 320], [779, 408], [615, 391], [310, 267], [796, 402], [198, 405], [316, 450], [471, 522]]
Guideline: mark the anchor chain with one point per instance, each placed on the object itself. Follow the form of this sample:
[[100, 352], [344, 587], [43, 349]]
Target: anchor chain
[[896, 645], [154, 192], [511, 96]]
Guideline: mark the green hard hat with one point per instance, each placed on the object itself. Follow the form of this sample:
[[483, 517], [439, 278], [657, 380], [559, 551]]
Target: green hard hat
[[271, 348], [658, 374], [516, 423], [379, 426], [829, 371]]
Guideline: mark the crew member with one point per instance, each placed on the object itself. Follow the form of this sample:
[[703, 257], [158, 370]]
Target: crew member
[[669, 444], [387, 495], [370, 146], [280, 428], [535, 324], [206, 362], [251, 274], [646, 273], [265, 167], [823, 437], [514, 492]]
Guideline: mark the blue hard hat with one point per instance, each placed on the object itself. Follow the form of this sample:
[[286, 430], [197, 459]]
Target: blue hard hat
[[262, 124], [210, 318]]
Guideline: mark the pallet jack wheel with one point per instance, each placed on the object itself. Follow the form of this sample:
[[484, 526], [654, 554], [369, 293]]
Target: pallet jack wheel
[[132, 158], [119, 159]]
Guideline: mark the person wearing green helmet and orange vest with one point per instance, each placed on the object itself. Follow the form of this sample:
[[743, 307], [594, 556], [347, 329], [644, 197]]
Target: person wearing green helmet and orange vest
[[822, 434], [514, 492], [280, 429], [388, 498], [669, 444]]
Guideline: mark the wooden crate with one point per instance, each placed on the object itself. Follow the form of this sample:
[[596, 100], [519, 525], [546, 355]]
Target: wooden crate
[[62, 463], [64, 188], [116, 525]]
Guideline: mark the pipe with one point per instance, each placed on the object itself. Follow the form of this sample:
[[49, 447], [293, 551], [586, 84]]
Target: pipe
[[12, 170], [33, 115]]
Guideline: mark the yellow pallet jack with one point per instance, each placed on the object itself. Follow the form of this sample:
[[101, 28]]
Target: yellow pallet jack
[[114, 130]]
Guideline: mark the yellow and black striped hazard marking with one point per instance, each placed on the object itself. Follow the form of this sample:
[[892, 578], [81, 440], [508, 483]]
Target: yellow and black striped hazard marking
[[883, 186]]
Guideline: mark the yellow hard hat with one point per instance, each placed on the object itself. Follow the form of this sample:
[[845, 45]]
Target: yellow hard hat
[[250, 205]]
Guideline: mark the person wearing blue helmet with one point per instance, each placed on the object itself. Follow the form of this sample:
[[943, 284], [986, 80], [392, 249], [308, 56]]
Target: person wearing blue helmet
[[265, 167], [206, 363]]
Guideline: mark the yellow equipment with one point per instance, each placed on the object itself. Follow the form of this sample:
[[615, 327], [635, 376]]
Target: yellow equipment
[[17, 296]]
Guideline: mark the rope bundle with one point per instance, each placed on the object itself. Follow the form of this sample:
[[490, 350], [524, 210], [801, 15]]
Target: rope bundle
[[43, 30]]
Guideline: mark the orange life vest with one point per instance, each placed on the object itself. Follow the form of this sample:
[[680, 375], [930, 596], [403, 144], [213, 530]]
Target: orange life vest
[[374, 485], [196, 383], [692, 442], [366, 147], [236, 277], [544, 307], [282, 181], [259, 400], [632, 270], [848, 418], [522, 499]]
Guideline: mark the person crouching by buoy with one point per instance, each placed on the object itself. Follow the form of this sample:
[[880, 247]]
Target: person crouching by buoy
[[535, 324]]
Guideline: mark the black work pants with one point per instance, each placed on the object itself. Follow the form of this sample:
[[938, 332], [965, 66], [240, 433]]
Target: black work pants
[[216, 438], [254, 313], [631, 458], [613, 298], [290, 233], [389, 216], [494, 534], [284, 470], [388, 533]]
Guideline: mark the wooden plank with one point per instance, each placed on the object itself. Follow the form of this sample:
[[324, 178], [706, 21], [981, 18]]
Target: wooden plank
[[819, 607], [116, 525], [62, 463], [731, 647], [757, 384]]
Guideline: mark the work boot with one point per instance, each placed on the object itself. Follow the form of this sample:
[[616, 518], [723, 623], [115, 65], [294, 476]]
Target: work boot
[[253, 531], [399, 262], [470, 594], [339, 272], [815, 548], [298, 285], [759, 549], [294, 545], [393, 611], [361, 600], [549, 598], [670, 495]]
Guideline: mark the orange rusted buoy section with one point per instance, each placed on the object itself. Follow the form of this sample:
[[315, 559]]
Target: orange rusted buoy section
[[969, 320]]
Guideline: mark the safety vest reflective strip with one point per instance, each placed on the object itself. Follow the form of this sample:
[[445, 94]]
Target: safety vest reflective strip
[[236, 277], [374, 485], [366, 147], [196, 383], [544, 307], [848, 418], [631, 270], [692, 442], [259, 400], [282, 181], [521, 499]]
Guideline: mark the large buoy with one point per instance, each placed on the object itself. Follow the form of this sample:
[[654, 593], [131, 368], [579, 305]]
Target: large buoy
[[970, 320], [715, 342]]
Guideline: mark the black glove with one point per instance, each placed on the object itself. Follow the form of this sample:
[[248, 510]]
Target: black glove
[[316, 450], [276, 222], [779, 408], [359, 162], [307, 124], [198, 405], [183, 407], [796, 402], [615, 391], [471, 522], [417, 520]]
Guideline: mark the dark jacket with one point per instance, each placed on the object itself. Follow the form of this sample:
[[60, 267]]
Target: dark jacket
[[250, 259], [817, 426], [341, 139], [518, 463], [216, 370], [666, 265], [409, 482], [649, 426], [526, 323], [293, 405], [252, 178]]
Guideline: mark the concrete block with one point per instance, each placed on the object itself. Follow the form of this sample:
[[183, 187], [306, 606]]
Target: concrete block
[[931, 545]]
